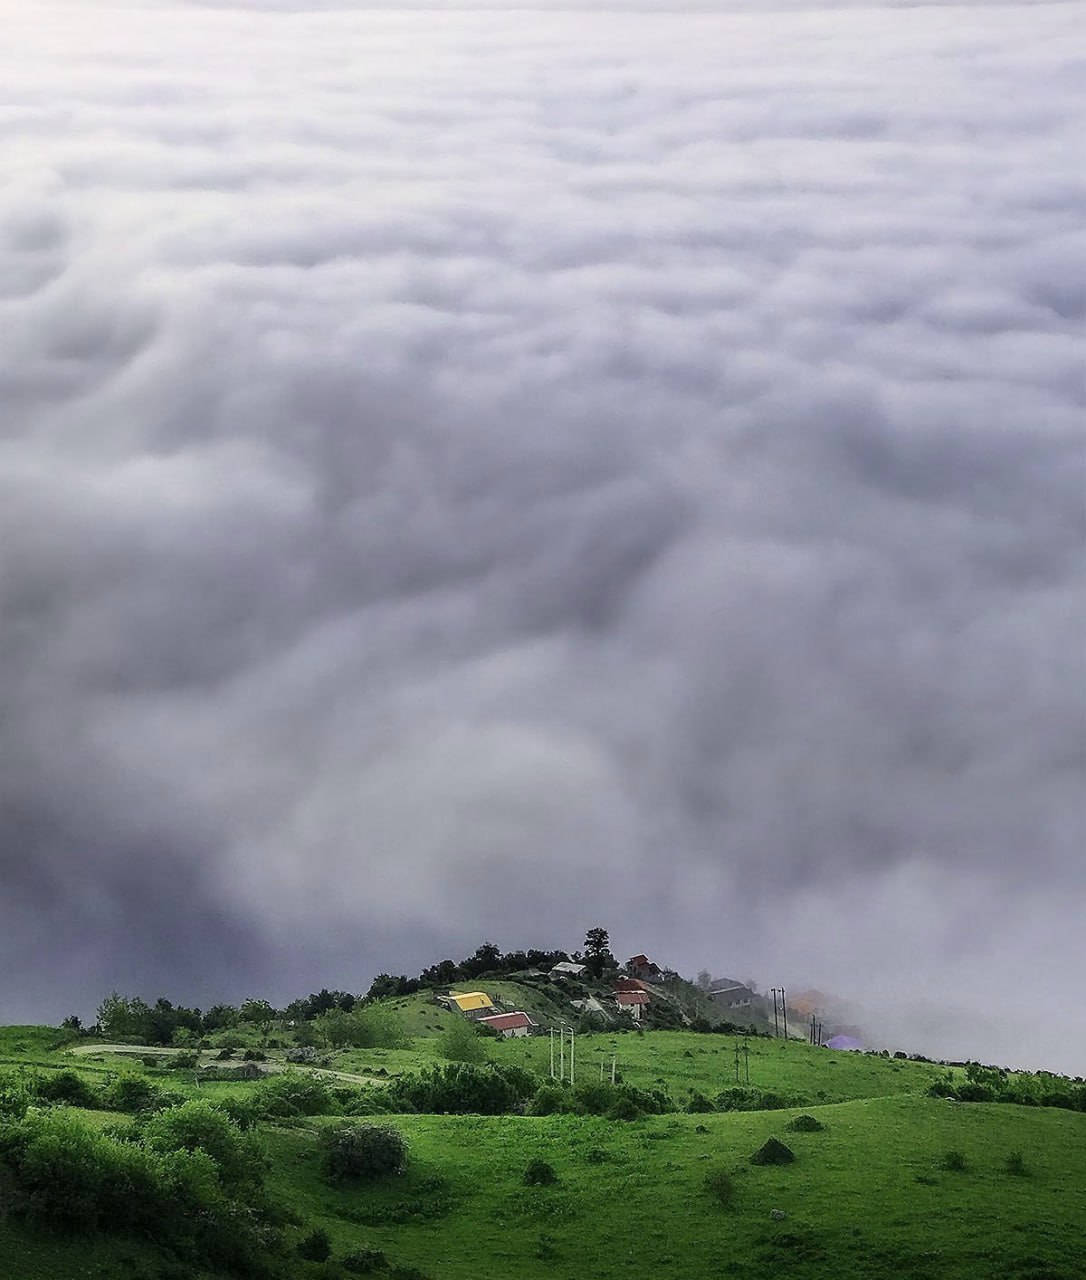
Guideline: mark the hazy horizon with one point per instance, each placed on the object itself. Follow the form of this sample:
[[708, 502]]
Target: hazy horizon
[[481, 473]]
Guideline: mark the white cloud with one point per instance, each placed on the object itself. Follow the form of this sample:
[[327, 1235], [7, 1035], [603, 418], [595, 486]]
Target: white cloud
[[630, 463]]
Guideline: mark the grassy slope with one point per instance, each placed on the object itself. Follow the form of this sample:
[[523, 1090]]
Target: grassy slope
[[855, 1207]]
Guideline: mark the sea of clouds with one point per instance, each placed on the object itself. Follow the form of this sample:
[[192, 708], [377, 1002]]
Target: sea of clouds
[[487, 474]]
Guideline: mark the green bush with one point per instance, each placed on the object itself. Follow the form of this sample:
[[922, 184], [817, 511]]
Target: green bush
[[539, 1174], [954, 1162], [363, 1262], [805, 1124], [79, 1178], [294, 1094], [460, 1042], [356, 1151], [199, 1126], [463, 1089], [720, 1185], [748, 1098], [71, 1175], [17, 1092], [315, 1247], [131, 1094], [698, 1103], [549, 1100], [1015, 1164], [66, 1088], [624, 1107], [773, 1151], [619, 1102]]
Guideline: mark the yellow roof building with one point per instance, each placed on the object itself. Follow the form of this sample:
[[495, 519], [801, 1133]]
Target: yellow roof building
[[470, 1001]]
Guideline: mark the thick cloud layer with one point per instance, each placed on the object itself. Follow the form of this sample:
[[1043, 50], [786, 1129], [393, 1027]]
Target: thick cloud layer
[[484, 475]]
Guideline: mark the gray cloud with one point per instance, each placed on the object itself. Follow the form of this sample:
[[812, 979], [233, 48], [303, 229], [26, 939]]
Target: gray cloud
[[486, 475]]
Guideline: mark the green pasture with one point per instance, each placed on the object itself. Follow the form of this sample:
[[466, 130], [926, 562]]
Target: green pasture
[[867, 1197]]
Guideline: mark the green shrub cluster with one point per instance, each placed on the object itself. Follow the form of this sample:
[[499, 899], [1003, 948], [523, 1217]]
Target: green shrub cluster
[[362, 1151], [463, 1088], [749, 1098], [994, 1084], [132, 1094], [165, 1184]]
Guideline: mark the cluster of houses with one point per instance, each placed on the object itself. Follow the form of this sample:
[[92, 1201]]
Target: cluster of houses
[[632, 995]]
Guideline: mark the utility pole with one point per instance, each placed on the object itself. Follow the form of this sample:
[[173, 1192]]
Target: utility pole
[[571, 1057], [562, 1054], [737, 1062], [746, 1059], [776, 1026], [613, 1057], [784, 1013]]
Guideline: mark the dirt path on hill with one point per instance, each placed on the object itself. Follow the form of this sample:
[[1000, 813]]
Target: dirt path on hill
[[271, 1067]]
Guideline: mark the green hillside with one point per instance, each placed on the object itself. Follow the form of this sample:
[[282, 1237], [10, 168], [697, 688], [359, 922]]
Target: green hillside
[[873, 1193]]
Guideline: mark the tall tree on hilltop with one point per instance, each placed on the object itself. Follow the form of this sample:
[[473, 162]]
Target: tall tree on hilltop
[[597, 951]]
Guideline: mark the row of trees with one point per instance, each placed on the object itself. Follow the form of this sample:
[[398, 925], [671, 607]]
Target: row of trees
[[489, 959], [130, 1018]]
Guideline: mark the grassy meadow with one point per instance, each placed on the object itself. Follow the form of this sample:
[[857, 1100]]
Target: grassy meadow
[[874, 1193]]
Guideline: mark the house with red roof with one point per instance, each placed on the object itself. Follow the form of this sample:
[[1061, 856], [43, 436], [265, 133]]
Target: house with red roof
[[633, 1002], [642, 967], [509, 1024]]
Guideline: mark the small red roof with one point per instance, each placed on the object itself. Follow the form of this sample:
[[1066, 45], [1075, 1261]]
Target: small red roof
[[632, 997], [630, 984], [507, 1021], [640, 961]]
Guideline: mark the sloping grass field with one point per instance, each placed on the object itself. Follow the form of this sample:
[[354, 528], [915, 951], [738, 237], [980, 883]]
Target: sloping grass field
[[875, 1193]]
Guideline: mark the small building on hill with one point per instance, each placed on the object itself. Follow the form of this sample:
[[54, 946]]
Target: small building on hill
[[567, 969], [475, 1004], [630, 984], [733, 996], [509, 1024], [642, 967], [632, 1002]]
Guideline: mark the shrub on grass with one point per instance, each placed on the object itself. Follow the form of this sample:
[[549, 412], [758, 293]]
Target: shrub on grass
[[293, 1094], [1015, 1164], [462, 1089], [66, 1088], [539, 1174], [624, 1107], [254, 1055], [954, 1162], [357, 1151], [460, 1042], [17, 1092], [773, 1152], [720, 1185], [315, 1247], [549, 1100], [698, 1103], [132, 1094], [747, 1098], [75, 1177], [183, 1061], [198, 1126], [805, 1124], [364, 1262]]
